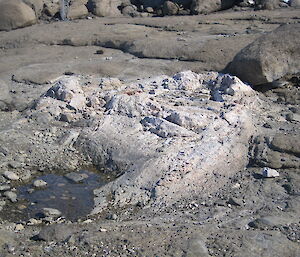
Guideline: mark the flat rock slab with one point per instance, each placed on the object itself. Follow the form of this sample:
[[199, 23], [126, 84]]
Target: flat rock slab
[[76, 177]]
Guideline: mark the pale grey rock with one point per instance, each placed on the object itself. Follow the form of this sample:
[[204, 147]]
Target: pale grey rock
[[39, 183], [269, 173], [4, 187], [169, 143], [12, 196], [51, 212], [77, 11], [10, 175]]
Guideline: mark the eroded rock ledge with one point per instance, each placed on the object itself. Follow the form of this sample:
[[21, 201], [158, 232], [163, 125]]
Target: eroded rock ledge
[[166, 137]]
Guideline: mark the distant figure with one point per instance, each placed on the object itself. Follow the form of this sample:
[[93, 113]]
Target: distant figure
[[64, 7]]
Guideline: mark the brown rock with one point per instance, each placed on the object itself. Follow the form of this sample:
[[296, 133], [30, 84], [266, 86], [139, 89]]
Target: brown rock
[[270, 57], [15, 14]]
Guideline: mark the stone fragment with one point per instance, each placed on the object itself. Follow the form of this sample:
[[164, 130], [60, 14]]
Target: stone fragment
[[269, 173], [10, 175], [36, 5], [269, 57], [15, 14], [12, 196], [76, 177], [39, 183], [4, 188], [51, 212], [56, 232]]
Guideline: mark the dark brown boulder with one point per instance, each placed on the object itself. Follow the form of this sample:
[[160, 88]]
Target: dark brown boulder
[[270, 57]]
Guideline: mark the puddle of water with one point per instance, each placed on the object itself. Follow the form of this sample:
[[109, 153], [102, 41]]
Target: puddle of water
[[74, 200]]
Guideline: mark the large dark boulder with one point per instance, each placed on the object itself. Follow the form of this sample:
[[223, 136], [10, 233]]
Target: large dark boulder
[[209, 6], [270, 57], [15, 14]]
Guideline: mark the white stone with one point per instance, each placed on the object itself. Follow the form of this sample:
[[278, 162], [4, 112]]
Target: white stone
[[39, 183], [10, 175], [269, 173]]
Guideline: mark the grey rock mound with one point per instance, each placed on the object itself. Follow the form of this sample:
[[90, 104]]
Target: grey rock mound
[[15, 14], [270, 57]]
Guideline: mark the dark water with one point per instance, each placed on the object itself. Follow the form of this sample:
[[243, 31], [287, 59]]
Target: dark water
[[74, 200]]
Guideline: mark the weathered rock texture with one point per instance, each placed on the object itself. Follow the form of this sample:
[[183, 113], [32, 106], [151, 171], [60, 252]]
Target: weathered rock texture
[[15, 14], [167, 137], [270, 57]]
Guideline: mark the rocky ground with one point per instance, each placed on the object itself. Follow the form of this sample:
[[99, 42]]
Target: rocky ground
[[197, 163]]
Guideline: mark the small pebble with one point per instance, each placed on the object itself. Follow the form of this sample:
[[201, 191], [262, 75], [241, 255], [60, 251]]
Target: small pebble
[[19, 227]]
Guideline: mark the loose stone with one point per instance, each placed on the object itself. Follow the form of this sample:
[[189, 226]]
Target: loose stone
[[10, 175], [11, 196], [51, 212], [39, 183], [269, 173]]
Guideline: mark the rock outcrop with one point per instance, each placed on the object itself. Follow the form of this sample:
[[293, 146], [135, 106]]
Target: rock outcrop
[[166, 137], [270, 57], [15, 14]]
